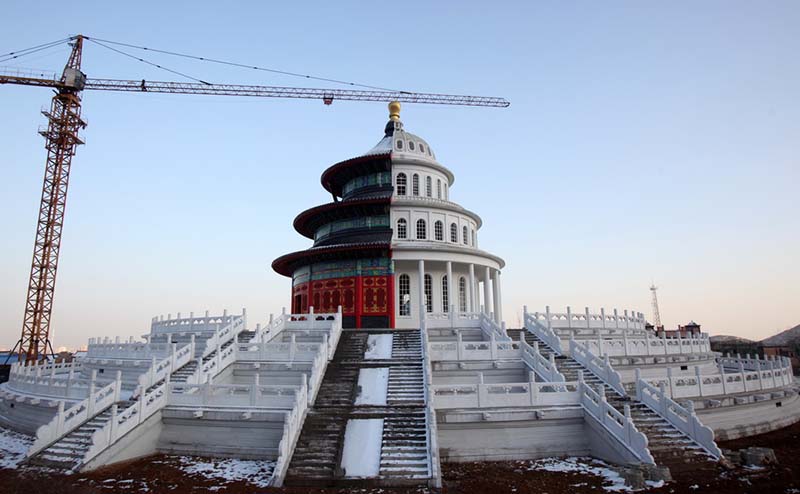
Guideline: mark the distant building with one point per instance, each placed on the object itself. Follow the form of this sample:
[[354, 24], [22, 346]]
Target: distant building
[[690, 330], [782, 351]]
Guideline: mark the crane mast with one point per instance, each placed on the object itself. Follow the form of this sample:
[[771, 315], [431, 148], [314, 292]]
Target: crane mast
[[62, 139]]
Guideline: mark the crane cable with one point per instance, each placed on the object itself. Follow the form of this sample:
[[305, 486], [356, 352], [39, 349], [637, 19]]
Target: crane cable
[[235, 64], [28, 51], [147, 61]]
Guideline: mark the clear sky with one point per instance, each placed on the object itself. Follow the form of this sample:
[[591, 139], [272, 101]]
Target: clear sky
[[646, 141]]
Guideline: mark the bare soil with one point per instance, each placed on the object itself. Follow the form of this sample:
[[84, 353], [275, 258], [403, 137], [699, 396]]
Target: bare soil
[[161, 475]]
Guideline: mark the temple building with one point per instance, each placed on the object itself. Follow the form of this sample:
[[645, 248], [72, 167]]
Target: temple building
[[394, 359], [392, 246]]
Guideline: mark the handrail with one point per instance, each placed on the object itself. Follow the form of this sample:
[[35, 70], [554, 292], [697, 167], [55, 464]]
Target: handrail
[[124, 421], [431, 429], [600, 367], [159, 370], [683, 419], [292, 426], [65, 421], [544, 333], [492, 330], [620, 425], [537, 362]]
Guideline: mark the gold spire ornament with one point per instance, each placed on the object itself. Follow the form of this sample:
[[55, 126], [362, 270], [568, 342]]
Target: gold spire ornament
[[394, 110]]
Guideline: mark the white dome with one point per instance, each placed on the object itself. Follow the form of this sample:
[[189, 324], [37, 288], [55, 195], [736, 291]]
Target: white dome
[[402, 143]]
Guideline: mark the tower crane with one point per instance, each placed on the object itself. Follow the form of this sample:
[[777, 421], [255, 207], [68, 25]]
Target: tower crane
[[62, 139]]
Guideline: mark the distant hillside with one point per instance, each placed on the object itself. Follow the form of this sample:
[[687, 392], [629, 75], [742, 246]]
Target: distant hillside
[[788, 337], [724, 338]]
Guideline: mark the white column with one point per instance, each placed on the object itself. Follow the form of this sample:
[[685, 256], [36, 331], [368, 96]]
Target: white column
[[421, 284], [450, 294], [498, 298], [472, 293], [487, 291]]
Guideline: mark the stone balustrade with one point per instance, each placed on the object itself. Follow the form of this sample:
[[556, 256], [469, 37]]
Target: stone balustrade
[[474, 350], [732, 378], [131, 350], [206, 323], [650, 345], [71, 387], [290, 351], [522, 394], [452, 319], [43, 368], [204, 396], [588, 320]]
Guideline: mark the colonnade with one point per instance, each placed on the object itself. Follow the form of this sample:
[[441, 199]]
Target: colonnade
[[492, 293]]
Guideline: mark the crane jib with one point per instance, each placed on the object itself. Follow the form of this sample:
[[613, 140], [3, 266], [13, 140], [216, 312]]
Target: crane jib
[[291, 92]]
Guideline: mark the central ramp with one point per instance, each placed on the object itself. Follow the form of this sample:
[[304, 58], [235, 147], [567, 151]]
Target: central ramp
[[368, 423]]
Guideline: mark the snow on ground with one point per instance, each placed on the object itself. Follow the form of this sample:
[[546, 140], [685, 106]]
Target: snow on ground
[[256, 472], [13, 447], [373, 384], [613, 481], [361, 454], [379, 346]]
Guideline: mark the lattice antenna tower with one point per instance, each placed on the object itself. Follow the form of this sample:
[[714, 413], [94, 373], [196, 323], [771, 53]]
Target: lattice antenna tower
[[656, 314]]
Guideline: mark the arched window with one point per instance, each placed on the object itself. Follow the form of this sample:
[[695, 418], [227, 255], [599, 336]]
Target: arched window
[[466, 235], [453, 233], [438, 230], [445, 295], [428, 186], [404, 295], [399, 144], [415, 184], [462, 294], [422, 229], [402, 180], [411, 145], [402, 228], [422, 148], [438, 188], [428, 293]]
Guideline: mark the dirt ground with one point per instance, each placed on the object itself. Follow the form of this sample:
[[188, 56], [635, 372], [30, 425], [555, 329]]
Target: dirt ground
[[158, 474]]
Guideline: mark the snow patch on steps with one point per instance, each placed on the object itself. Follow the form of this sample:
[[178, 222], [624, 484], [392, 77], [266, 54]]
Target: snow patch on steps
[[379, 346], [13, 447], [373, 384], [361, 455]]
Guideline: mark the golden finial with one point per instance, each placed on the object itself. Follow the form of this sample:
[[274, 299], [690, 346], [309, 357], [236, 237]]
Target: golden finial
[[394, 110]]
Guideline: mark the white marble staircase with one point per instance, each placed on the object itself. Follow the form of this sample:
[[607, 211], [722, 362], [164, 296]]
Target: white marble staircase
[[668, 446]]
